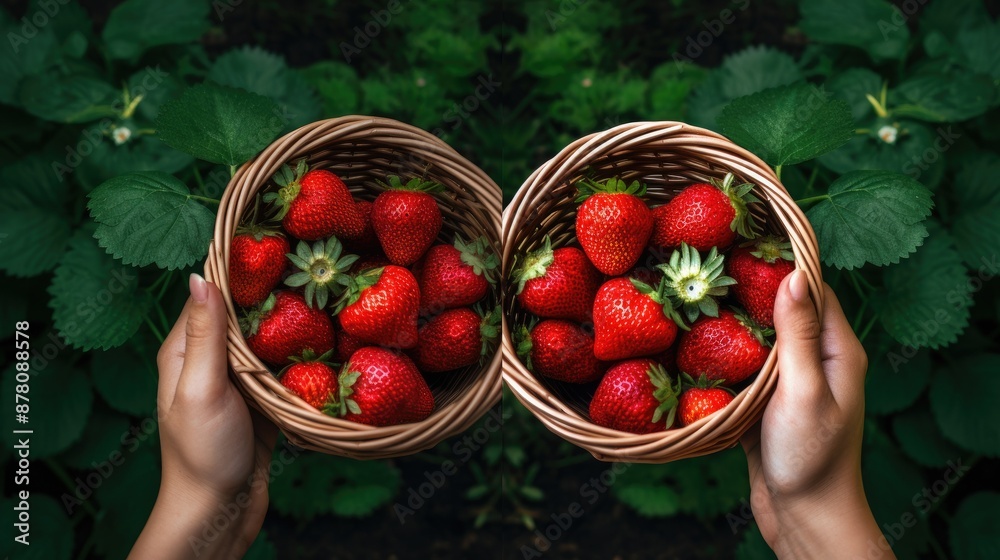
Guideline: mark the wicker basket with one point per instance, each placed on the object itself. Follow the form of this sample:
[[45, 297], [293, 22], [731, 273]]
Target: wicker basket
[[666, 156], [362, 150]]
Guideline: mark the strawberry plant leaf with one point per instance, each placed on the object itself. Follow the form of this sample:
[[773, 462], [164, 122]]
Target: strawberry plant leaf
[[670, 86], [837, 22], [104, 433], [977, 205], [96, 301], [975, 528], [23, 57], [337, 84], [897, 374], [125, 377], [980, 46], [261, 549], [140, 154], [921, 439], [219, 124], [73, 98], [854, 85], [137, 25], [908, 154], [943, 98], [127, 496], [51, 536], [890, 483], [788, 124], [63, 424], [151, 218], [34, 223], [925, 300], [963, 398], [870, 217]]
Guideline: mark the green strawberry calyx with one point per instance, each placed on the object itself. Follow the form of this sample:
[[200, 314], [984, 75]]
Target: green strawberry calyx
[[356, 285], [739, 196], [666, 391], [534, 264], [307, 357], [523, 343], [478, 255], [322, 270], [588, 187], [763, 335], [770, 248], [489, 330], [703, 382], [290, 183], [660, 296], [259, 231], [341, 403], [693, 284], [414, 184], [250, 322]]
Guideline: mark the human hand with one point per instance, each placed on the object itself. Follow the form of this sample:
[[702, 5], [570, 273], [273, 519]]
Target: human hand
[[216, 451], [804, 456]]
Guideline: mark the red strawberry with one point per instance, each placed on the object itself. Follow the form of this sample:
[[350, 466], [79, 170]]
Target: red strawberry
[[406, 219], [380, 387], [729, 348], [758, 269], [315, 204], [560, 350], [705, 215], [559, 284], [381, 307], [701, 400], [613, 224], [456, 276], [367, 242], [631, 319], [646, 275], [635, 396], [284, 326], [322, 269], [368, 262], [312, 379], [347, 344], [692, 284], [455, 339], [256, 263]]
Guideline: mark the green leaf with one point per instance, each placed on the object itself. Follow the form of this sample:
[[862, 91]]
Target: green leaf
[[145, 153], [789, 124], [96, 301], [872, 25], [219, 124], [916, 152], [150, 218], [337, 84], [897, 374], [977, 205], [126, 498], [314, 484], [51, 535], [963, 398], [974, 531], [125, 377], [554, 55], [753, 546], [23, 56], [650, 500], [980, 47], [920, 438], [870, 217], [105, 430], [891, 483], [925, 300], [853, 85], [137, 25], [65, 98], [261, 549], [57, 421], [943, 98], [34, 222], [670, 86]]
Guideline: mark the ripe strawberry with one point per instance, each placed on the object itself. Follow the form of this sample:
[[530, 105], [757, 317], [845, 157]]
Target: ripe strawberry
[[560, 350], [632, 319], [380, 306], [705, 215], [284, 326], [347, 344], [455, 339], [613, 224], [406, 219], [702, 399], [728, 348], [692, 284], [559, 284], [635, 396], [380, 387], [311, 378], [759, 267], [456, 276], [256, 263], [367, 242], [315, 204], [321, 269]]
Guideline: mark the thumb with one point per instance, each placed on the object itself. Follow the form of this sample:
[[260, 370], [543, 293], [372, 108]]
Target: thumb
[[204, 372], [798, 339]]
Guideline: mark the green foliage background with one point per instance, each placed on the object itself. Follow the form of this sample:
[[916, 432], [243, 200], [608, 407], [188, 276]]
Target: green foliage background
[[909, 229]]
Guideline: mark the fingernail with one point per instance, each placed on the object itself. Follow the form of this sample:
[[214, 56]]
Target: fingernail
[[799, 286], [199, 288]]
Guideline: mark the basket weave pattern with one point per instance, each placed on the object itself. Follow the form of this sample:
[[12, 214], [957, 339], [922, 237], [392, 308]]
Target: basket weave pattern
[[666, 156], [363, 150]]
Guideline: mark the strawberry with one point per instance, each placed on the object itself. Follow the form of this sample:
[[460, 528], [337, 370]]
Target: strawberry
[[380, 387], [632, 319], [559, 350], [256, 264], [705, 215], [284, 326], [693, 284], [321, 269], [613, 224], [759, 267], [406, 219], [311, 378], [635, 396], [729, 348], [557, 284], [347, 344], [313, 204], [367, 242], [368, 262], [380, 306], [702, 399], [455, 339], [456, 275]]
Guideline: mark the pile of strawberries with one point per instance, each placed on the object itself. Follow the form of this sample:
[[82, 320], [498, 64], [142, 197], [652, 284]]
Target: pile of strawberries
[[666, 341], [367, 305]]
